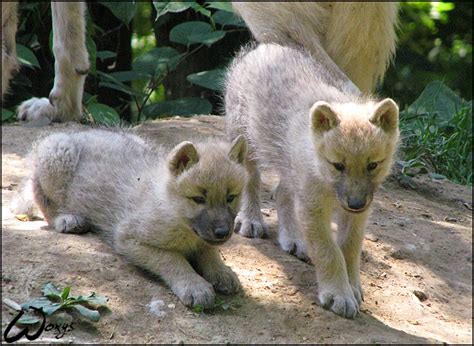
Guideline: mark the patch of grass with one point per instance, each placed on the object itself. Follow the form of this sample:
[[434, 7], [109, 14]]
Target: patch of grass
[[437, 135]]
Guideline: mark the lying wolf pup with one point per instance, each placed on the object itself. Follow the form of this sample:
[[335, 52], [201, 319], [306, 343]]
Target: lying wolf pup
[[162, 213], [331, 147]]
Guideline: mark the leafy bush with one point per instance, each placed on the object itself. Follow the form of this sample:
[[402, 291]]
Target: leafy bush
[[437, 135]]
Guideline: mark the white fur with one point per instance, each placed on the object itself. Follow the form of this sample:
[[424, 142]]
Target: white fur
[[9, 26], [299, 118], [358, 36], [139, 199]]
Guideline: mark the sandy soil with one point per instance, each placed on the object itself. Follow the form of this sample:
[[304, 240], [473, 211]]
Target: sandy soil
[[418, 239]]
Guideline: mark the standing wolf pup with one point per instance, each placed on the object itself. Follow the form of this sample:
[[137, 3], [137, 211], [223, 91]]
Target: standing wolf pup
[[162, 213], [331, 147]]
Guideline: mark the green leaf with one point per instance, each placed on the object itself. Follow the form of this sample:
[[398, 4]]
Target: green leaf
[[123, 10], [123, 88], [227, 18], [163, 7], [128, 76], [92, 50], [28, 320], [65, 293], [26, 56], [198, 309], [42, 303], [185, 106], [51, 308], [437, 176], [157, 61], [51, 291], [208, 39], [105, 54], [96, 300], [437, 99], [103, 114], [213, 79], [88, 313], [200, 9], [220, 5], [181, 32], [7, 114]]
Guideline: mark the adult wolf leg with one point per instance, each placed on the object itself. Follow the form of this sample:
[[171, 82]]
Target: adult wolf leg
[[70, 67]]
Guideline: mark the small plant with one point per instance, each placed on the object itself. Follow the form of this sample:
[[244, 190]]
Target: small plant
[[220, 304], [54, 300], [437, 135]]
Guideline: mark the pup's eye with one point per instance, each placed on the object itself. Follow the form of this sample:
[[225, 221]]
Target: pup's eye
[[372, 165], [230, 198], [339, 166], [198, 199]]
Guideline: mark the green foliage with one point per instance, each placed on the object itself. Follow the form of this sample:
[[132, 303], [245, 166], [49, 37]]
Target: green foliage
[[213, 79], [434, 43], [123, 10], [26, 56], [437, 135], [54, 300]]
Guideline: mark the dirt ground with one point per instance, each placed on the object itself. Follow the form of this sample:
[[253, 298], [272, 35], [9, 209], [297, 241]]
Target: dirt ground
[[419, 238]]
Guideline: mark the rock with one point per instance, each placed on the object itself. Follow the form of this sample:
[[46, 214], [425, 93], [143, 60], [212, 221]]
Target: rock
[[399, 254], [420, 295]]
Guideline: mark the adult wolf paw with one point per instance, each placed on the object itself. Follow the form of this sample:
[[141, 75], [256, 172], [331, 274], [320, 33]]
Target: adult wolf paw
[[344, 305], [250, 228], [195, 293], [224, 280], [37, 110]]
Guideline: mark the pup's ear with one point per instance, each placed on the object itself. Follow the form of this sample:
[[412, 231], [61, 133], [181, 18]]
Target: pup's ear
[[238, 150], [385, 115], [182, 157], [322, 117]]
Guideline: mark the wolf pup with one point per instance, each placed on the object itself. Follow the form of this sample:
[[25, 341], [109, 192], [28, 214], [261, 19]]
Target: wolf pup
[[331, 150], [162, 213]]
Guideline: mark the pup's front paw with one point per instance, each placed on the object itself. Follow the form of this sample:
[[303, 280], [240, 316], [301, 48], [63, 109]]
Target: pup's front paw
[[224, 280], [342, 303], [358, 293], [195, 293], [250, 227], [293, 246]]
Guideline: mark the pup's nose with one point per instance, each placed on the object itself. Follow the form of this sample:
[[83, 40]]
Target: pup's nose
[[221, 232], [356, 203]]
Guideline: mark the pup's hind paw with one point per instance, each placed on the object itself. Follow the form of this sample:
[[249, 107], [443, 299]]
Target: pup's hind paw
[[250, 228], [67, 223], [195, 293], [36, 110]]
